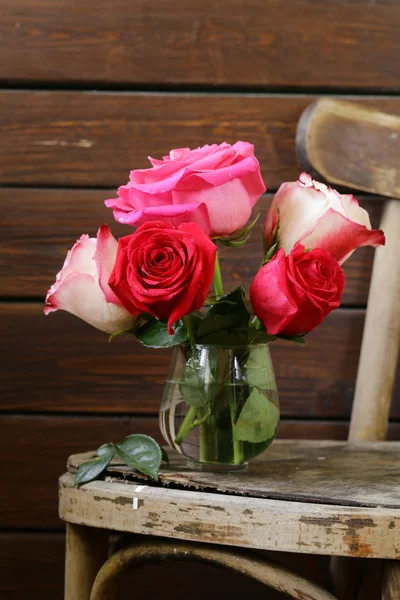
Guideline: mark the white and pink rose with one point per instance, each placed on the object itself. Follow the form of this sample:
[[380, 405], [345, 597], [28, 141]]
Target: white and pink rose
[[81, 287], [317, 216]]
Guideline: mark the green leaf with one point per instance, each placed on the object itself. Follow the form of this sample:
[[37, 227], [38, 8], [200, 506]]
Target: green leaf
[[211, 300], [275, 239], [190, 387], [235, 243], [299, 339], [213, 323], [236, 337], [258, 336], [105, 449], [227, 320], [155, 335], [259, 370], [128, 331], [91, 469], [231, 241], [164, 455], [258, 419], [142, 453], [233, 305], [271, 252]]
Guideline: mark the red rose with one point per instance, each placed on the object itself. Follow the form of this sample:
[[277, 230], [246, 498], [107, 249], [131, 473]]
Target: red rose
[[164, 270], [293, 294]]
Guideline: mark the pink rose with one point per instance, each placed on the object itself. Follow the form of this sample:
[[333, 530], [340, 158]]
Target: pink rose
[[214, 186], [317, 216], [81, 287], [292, 294]]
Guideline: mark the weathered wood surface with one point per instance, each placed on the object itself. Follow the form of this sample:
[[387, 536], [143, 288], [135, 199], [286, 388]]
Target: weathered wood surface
[[260, 43], [301, 471], [350, 145], [233, 520], [38, 226], [95, 138], [48, 440], [89, 374], [258, 568], [36, 449]]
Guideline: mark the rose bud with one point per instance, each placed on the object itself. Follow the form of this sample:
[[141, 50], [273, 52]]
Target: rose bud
[[319, 217], [215, 186], [292, 294], [81, 287], [163, 270]]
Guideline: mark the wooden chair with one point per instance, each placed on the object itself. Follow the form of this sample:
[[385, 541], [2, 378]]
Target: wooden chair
[[323, 498]]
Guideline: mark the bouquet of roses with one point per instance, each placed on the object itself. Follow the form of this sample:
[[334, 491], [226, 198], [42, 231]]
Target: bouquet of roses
[[156, 284]]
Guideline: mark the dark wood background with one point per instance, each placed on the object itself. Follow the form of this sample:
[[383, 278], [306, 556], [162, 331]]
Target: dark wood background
[[90, 88]]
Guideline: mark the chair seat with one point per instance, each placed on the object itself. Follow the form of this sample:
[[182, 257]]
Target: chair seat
[[313, 497]]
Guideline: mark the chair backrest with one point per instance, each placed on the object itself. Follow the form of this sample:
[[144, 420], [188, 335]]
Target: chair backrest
[[381, 338]]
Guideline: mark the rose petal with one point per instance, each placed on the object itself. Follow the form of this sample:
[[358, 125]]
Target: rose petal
[[340, 236], [228, 206], [175, 213], [271, 296], [81, 296], [105, 255]]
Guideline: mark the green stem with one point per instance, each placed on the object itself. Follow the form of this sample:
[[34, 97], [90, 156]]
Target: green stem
[[218, 287], [238, 457], [187, 426], [204, 443], [255, 323], [188, 323]]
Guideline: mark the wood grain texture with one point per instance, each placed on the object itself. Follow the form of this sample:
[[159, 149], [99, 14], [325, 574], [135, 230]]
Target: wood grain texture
[[350, 145], [37, 226], [31, 565], [233, 520], [95, 138], [30, 442], [86, 552], [381, 338], [258, 43], [69, 366], [45, 443], [327, 472]]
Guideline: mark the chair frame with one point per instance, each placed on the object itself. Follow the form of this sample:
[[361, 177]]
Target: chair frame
[[253, 522]]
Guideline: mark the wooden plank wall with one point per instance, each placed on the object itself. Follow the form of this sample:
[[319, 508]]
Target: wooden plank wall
[[90, 88]]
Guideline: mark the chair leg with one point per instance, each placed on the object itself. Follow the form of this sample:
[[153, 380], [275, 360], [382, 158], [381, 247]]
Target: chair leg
[[86, 552], [391, 580]]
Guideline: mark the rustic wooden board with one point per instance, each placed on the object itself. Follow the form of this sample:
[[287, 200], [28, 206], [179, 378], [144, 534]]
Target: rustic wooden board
[[95, 138], [31, 565], [30, 442], [258, 43], [69, 366], [37, 226], [363, 474], [233, 520], [36, 449]]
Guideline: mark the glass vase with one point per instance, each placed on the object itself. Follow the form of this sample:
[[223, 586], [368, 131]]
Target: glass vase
[[220, 405]]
